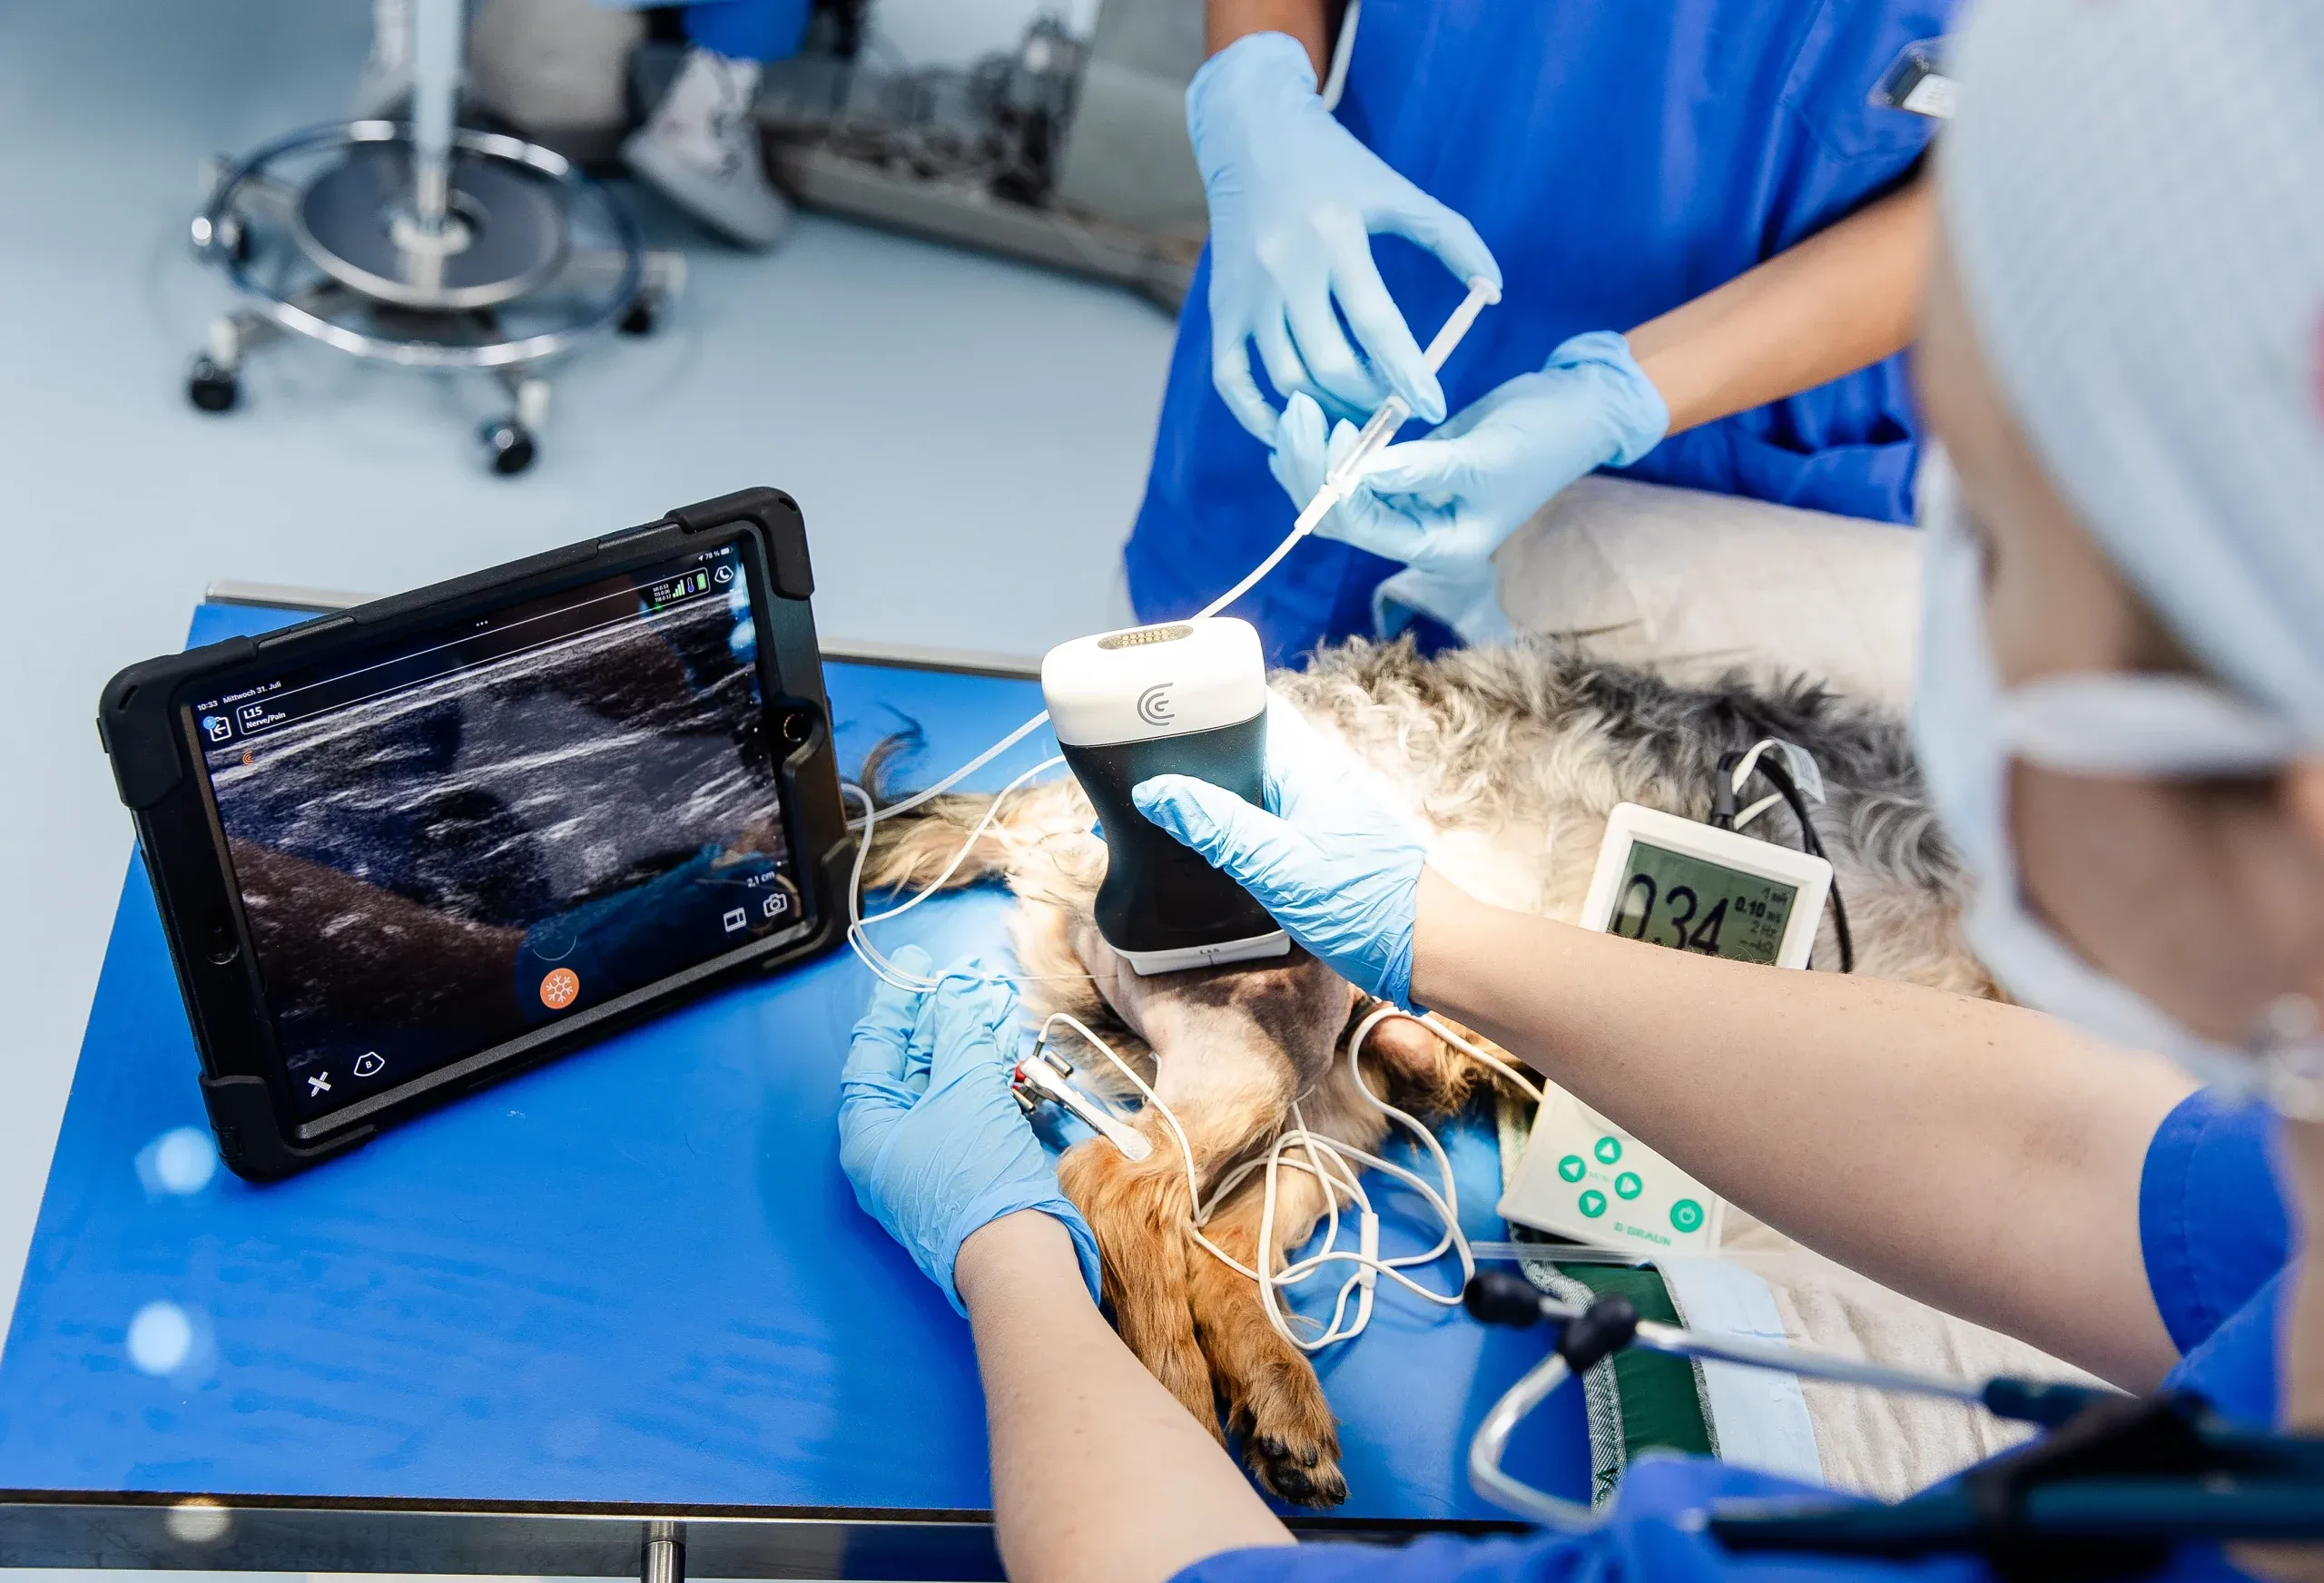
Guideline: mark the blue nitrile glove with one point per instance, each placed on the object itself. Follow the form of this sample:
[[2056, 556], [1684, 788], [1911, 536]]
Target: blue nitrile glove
[[1294, 201], [928, 1132], [1445, 503], [1337, 867]]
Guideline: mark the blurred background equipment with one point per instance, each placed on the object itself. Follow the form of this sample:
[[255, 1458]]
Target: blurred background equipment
[[556, 71], [1066, 151], [423, 243]]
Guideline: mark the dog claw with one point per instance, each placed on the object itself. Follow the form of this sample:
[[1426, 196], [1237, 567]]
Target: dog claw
[[1301, 1476]]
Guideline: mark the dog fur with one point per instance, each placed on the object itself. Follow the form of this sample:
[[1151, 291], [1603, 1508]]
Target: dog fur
[[1510, 758]]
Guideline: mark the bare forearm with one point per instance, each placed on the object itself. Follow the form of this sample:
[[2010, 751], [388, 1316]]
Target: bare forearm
[[1846, 296], [2300, 1158], [1098, 1475], [1312, 22], [2302, 1154], [1981, 1158]]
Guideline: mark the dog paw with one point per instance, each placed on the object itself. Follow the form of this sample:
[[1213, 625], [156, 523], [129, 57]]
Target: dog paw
[[1299, 1469], [1291, 1442]]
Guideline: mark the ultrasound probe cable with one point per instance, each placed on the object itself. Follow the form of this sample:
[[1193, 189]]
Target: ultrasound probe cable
[[1332, 1164]]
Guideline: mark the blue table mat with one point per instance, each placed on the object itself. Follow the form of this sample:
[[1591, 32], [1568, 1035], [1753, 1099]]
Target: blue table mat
[[636, 1274]]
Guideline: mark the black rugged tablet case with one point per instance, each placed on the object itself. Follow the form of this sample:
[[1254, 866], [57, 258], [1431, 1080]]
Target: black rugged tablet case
[[140, 720]]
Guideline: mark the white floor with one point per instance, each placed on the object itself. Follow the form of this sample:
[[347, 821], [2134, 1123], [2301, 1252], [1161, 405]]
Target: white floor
[[969, 438]]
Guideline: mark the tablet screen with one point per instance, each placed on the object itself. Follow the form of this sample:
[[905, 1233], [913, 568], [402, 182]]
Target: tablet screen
[[501, 822]]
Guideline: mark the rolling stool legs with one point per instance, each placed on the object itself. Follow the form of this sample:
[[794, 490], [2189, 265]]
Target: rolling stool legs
[[508, 442], [213, 383], [424, 244]]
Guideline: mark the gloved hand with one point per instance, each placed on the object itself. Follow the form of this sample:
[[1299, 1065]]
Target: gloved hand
[[1337, 867], [1445, 503], [1294, 200], [928, 1132]]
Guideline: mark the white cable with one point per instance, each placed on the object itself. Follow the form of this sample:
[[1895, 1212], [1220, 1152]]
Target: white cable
[[1757, 809], [957, 776], [1332, 1164], [1337, 486], [861, 943], [1052, 762], [1807, 778], [1526, 1086]]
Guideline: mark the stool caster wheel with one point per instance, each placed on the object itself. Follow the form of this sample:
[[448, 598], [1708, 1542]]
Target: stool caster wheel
[[508, 445], [228, 237], [211, 385], [639, 320]]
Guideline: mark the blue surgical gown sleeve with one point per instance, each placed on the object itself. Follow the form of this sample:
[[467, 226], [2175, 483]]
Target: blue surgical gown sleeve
[[2216, 1237], [2216, 1240], [1655, 1537]]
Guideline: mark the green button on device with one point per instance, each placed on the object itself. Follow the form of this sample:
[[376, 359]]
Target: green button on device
[[1593, 1203], [1687, 1215], [1629, 1185], [1571, 1168], [1608, 1150]]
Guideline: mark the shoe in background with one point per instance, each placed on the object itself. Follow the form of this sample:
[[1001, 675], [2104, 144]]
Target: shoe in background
[[700, 149]]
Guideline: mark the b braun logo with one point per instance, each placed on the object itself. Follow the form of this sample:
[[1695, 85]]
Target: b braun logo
[[1154, 705]]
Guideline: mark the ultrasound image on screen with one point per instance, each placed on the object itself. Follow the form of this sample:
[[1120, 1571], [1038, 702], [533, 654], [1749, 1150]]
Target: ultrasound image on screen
[[501, 824]]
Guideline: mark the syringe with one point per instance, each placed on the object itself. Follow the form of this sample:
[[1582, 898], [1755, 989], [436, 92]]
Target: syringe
[[1340, 482]]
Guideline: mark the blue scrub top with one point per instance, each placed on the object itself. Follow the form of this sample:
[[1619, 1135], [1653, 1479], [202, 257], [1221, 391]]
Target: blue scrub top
[[1619, 160], [2216, 1240]]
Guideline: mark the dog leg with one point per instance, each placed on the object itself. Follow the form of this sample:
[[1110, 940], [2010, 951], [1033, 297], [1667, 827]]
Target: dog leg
[[1290, 1441], [1407, 1064], [1139, 1212]]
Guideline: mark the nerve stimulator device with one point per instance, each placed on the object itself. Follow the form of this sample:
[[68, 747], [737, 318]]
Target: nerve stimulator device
[[1690, 886], [1187, 698]]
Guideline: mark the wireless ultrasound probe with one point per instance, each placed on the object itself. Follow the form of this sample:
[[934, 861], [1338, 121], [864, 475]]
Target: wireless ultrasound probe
[[1185, 698]]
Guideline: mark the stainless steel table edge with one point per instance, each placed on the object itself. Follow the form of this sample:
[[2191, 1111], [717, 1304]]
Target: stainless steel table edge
[[179, 1532]]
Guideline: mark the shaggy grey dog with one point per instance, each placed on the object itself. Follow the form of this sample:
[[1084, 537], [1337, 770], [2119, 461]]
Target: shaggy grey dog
[[1510, 758]]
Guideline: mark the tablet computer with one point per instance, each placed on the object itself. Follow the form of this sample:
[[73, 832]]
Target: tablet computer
[[404, 849]]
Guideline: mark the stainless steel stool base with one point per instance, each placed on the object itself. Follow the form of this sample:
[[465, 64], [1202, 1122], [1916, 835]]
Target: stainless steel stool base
[[505, 234], [322, 234]]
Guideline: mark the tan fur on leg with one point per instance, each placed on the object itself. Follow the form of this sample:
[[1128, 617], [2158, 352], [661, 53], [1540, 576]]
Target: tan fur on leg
[[1290, 1440], [1140, 1214], [1510, 758]]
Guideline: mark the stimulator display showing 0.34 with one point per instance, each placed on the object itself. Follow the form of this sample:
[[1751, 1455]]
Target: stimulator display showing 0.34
[[1689, 904]]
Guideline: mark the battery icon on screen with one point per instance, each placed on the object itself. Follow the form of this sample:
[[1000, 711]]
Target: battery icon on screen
[[680, 587]]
